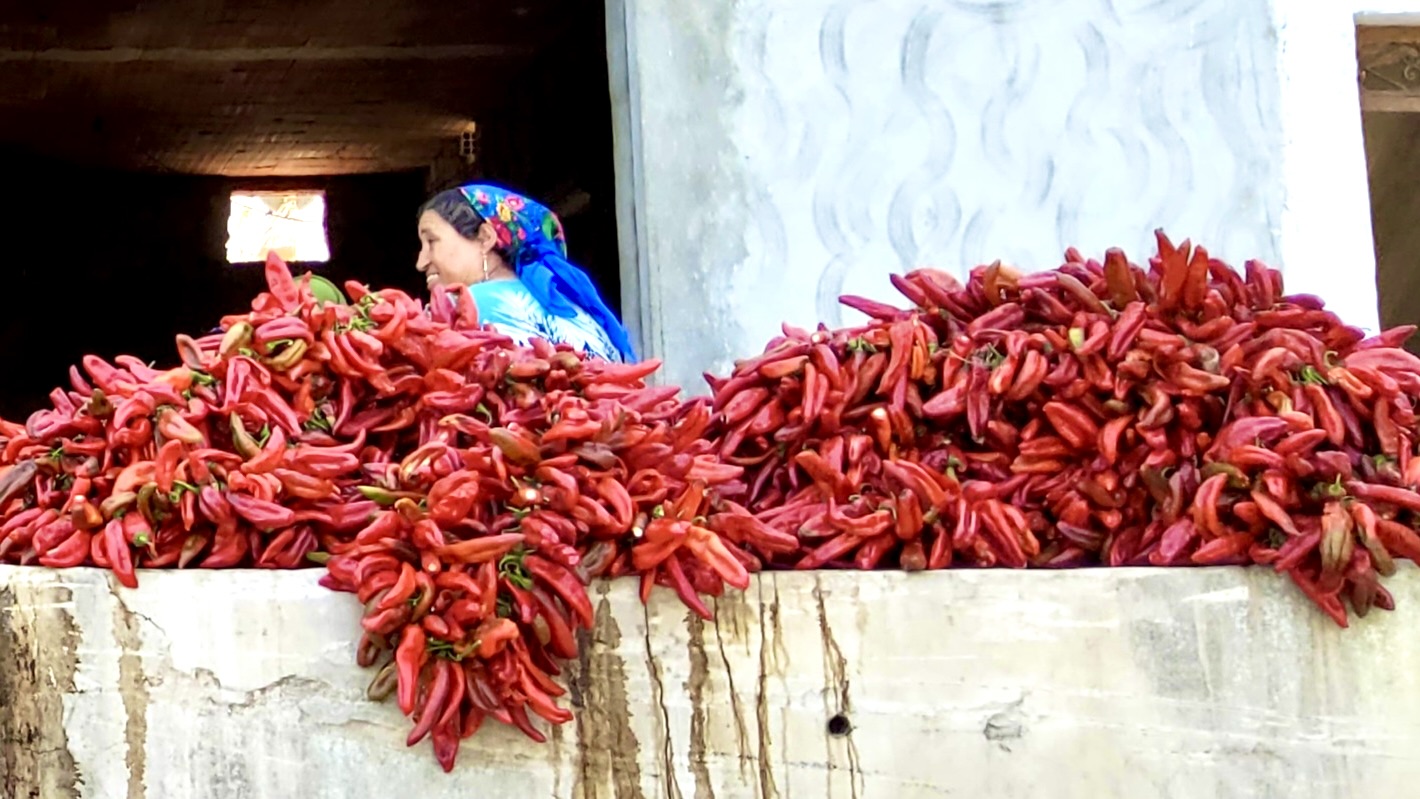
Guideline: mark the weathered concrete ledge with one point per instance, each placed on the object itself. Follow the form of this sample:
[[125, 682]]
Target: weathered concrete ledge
[[1129, 683]]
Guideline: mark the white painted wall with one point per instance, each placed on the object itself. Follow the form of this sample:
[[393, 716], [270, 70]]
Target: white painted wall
[[1176, 683], [1326, 223], [773, 155]]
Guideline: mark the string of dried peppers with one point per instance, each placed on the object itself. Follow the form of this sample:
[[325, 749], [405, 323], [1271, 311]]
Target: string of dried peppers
[[467, 489]]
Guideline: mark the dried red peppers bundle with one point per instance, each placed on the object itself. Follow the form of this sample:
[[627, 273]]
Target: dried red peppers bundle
[[1096, 414], [467, 489]]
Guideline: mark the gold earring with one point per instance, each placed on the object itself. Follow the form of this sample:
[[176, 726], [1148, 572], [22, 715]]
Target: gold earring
[[485, 267]]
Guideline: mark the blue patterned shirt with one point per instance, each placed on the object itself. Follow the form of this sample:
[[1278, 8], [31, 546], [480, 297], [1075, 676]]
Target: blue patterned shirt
[[512, 310]]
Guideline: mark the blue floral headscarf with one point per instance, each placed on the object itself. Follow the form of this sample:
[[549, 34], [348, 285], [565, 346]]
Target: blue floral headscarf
[[531, 237]]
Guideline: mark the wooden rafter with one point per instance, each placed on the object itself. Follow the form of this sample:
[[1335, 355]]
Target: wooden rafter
[[1389, 61]]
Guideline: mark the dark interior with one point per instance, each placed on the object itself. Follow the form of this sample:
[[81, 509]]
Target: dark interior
[[1392, 147], [124, 134], [1390, 123]]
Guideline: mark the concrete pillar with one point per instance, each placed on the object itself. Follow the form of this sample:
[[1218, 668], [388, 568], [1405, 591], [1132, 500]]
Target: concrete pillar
[[772, 156]]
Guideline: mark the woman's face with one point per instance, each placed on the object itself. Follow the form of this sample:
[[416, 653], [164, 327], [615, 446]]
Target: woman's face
[[445, 257]]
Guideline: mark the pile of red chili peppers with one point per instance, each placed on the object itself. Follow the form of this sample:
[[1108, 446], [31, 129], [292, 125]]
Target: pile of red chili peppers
[[1097, 414], [467, 489]]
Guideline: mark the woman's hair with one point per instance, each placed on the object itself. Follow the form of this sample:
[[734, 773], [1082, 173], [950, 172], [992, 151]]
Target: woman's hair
[[454, 208]]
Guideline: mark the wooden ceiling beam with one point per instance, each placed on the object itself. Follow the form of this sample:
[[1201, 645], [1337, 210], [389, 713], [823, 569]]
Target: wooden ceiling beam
[[225, 55], [1389, 60]]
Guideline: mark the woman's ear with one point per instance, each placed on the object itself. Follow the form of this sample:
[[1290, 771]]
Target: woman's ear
[[487, 238]]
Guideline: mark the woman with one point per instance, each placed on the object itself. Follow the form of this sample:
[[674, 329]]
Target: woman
[[511, 253]]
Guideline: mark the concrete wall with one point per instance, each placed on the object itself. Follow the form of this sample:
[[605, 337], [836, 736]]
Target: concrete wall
[[1101, 683], [774, 155]]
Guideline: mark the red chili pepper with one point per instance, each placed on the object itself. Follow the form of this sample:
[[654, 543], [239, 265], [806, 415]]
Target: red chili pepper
[[18, 530], [174, 427], [1400, 497], [519, 716], [675, 575], [434, 705], [480, 550], [424, 594], [373, 583], [1329, 602], [1118, 278], [1326, 415], [260, 513], [539, 700], [1399, 539], [871, 308], [1005, 532], [304, 486], [1301, 442], [50, 530], [104, 375], [278, 551], [493, 635], [565, 584], [322, 461], [451, 498], [410, 657], [452, 717], [98, 551], [282, 415], [1029, 377], [940, 556], [1265, 430], [1073, 424], [746, 529], [192, 546], [1006, 316], [119, 555], [1384, 360], [285, 327], [282, 285], [137, 531], [1297, 549], [712, 473], [228, 549], [70, 553], [516, 446], [561, 640], [400, 590], [1224, 549]]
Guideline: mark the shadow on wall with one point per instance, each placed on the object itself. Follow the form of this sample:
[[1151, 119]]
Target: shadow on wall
[[109, 263]]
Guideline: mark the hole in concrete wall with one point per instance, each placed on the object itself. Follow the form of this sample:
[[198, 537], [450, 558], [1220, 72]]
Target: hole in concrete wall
[[839, 725], [1390, 117], [289, 223]]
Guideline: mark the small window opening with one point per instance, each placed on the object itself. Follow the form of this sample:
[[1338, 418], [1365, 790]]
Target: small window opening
[[290, 223]]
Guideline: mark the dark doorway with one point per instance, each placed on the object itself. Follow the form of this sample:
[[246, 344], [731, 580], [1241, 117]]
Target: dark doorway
[[1390, 120], [125, 134]]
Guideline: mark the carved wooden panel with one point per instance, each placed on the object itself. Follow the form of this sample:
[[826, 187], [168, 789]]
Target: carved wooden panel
[[1389, 68]]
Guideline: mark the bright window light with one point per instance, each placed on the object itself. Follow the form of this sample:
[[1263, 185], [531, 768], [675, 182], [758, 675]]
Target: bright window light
[[291, 223]]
